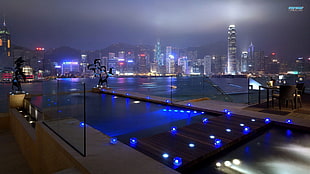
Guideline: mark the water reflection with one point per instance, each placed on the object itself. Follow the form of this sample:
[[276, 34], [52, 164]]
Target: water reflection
[[274, 152]]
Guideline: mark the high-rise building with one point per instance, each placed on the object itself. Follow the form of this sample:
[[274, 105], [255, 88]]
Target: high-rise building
[[169, 60], [121, 55], [273, 64], [232, 50], [112, 61], [37, 61], [143, 63], [183, 63], [251, 59], [158, 58], [244, 61], [300, 64], [259, 61], [83, 63], [70, 69], [5, 47], [207, 65]]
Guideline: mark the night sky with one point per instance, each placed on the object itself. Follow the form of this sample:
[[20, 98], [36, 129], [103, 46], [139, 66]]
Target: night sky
[[95, 24]]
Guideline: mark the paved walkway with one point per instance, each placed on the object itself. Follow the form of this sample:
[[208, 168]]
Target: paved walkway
[[11, 159]]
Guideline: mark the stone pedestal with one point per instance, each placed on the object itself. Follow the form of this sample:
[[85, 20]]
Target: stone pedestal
[[16, 100]]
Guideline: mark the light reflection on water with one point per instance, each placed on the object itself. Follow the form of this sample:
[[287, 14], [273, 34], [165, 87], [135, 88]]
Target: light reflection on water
[[274, 152]]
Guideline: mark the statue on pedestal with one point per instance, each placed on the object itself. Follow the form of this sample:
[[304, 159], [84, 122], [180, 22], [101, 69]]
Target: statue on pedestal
[[18, 74], [101, 72]]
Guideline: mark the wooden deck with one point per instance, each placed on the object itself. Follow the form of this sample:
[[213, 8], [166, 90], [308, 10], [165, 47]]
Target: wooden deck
[[177, 145]]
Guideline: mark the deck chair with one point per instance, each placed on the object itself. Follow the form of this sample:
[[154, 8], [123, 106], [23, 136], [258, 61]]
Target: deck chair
[[300, 87], [286, 94]]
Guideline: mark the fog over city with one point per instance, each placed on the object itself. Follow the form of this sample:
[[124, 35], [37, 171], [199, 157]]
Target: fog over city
[[95, 24]]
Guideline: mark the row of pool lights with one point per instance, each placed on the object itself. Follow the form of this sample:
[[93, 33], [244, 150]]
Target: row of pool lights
[[148, 97], [177, 161], [267, 120], [181, 111]]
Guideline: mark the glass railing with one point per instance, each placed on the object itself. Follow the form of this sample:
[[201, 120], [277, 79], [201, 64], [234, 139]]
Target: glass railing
[[174, 88], [64, 111]]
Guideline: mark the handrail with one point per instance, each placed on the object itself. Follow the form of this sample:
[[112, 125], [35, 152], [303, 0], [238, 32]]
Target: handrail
[[207, 79]]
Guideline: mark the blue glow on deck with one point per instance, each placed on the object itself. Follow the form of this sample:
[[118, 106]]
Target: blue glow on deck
[[113, 140], [133, 141], [177, 161], [246, 129], [205, 120], [267, 120], [289, 121], [217, 143]]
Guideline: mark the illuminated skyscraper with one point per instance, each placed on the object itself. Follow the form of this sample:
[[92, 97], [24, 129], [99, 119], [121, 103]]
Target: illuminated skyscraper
[[251, 59], [244, 61], [207, 65], [5, 47], [158, 57], [143, 63], [183, 63], [232, 50], [169, 60]]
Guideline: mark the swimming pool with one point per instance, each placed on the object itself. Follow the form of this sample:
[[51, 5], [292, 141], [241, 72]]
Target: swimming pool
[[118, 116], [278, 150], [125, 118]]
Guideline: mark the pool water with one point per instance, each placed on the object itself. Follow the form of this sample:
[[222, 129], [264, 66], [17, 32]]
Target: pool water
[[278, 150], [118, 116]]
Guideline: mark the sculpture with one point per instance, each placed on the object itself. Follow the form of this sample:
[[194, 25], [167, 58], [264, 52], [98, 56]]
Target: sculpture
[[101, 72], [18, 74]]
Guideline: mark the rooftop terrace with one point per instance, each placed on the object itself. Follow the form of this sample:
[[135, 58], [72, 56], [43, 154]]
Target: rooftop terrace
[[110, 160]]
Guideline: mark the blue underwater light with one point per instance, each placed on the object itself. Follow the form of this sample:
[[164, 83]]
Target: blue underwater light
[[205, 120], [173, 130], [177, 161]]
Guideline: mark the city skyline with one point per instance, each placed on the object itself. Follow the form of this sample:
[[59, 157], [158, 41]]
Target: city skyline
[[95, 25]]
